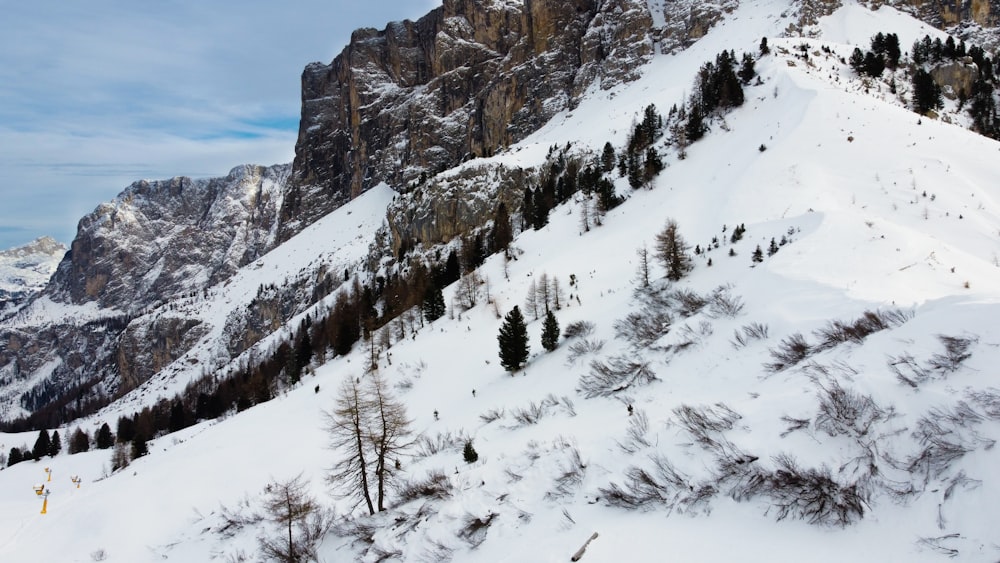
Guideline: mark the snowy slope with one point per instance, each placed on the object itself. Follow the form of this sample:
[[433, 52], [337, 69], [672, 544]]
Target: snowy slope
[[842, 176]]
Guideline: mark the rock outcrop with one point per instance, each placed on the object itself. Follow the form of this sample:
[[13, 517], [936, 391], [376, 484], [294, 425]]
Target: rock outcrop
[[468, 79], [161, 239]]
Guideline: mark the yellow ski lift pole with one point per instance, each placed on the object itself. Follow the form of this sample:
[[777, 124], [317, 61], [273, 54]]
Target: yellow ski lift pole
[[76, 481], [49, 471], [45, 502]]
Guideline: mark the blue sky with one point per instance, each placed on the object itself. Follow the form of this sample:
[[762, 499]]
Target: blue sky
[[95, 95]]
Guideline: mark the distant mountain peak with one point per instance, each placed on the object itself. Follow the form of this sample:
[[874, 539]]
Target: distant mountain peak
[[25, 270]]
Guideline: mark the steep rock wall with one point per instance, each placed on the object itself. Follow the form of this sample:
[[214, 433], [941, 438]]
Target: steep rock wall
[[471, 77]]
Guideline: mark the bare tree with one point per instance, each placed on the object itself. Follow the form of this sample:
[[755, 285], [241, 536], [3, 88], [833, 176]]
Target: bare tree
[[391, 433], [370, 431], [544, 293], [302, 523], [347, 426], [468, 290], [531, 300], [643, 273], [558, 295]]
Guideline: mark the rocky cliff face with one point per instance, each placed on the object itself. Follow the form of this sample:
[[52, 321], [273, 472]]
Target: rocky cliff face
[[948, 13], [471, 77], [158, 240]]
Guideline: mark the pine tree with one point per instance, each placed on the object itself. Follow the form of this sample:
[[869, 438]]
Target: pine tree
[[892, 51], [764, 49], [502, 235], [42, 444], [79, 442], [433, 306], [758, 255], [672, 251], [857, 60], [926, 92], [139, 447], [772, 249], [695, 127], [608, 158], [55, 444], [513, 341], [178, 416], [104, 439], [874, 64], [469, 453], [747, 70], [126, 428], [550, 332], [15, 457], [737, 234]]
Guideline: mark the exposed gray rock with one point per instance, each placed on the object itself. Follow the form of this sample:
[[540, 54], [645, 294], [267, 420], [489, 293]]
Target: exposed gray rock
[[161, 239], [468, 79]]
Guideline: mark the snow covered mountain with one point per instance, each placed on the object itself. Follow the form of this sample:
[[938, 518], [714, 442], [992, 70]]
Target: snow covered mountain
[[25, 270], [833, 398]]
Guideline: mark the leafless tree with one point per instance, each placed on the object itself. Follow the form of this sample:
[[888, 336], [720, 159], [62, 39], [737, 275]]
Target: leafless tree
[[348, 427], [302, 522], [370, 431], [391, 437], [468, 290], [558, 295], [642, 274], [543, 292], [531, 300]]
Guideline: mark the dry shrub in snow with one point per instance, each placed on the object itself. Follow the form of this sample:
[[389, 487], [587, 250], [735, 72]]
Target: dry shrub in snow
[[572, 470], [956, 351], [836, 333], [722, 303], [435, 485], [492, 415], [705, 424], [847, 412], [642, 328], [474, 528], [944, 436], [635, 434], [618, 374], [749, 333], [792, 350], [578, 329], [427, 445], [581, 348], [988, 400], [909, 371], [812, 494], [661, 485]]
